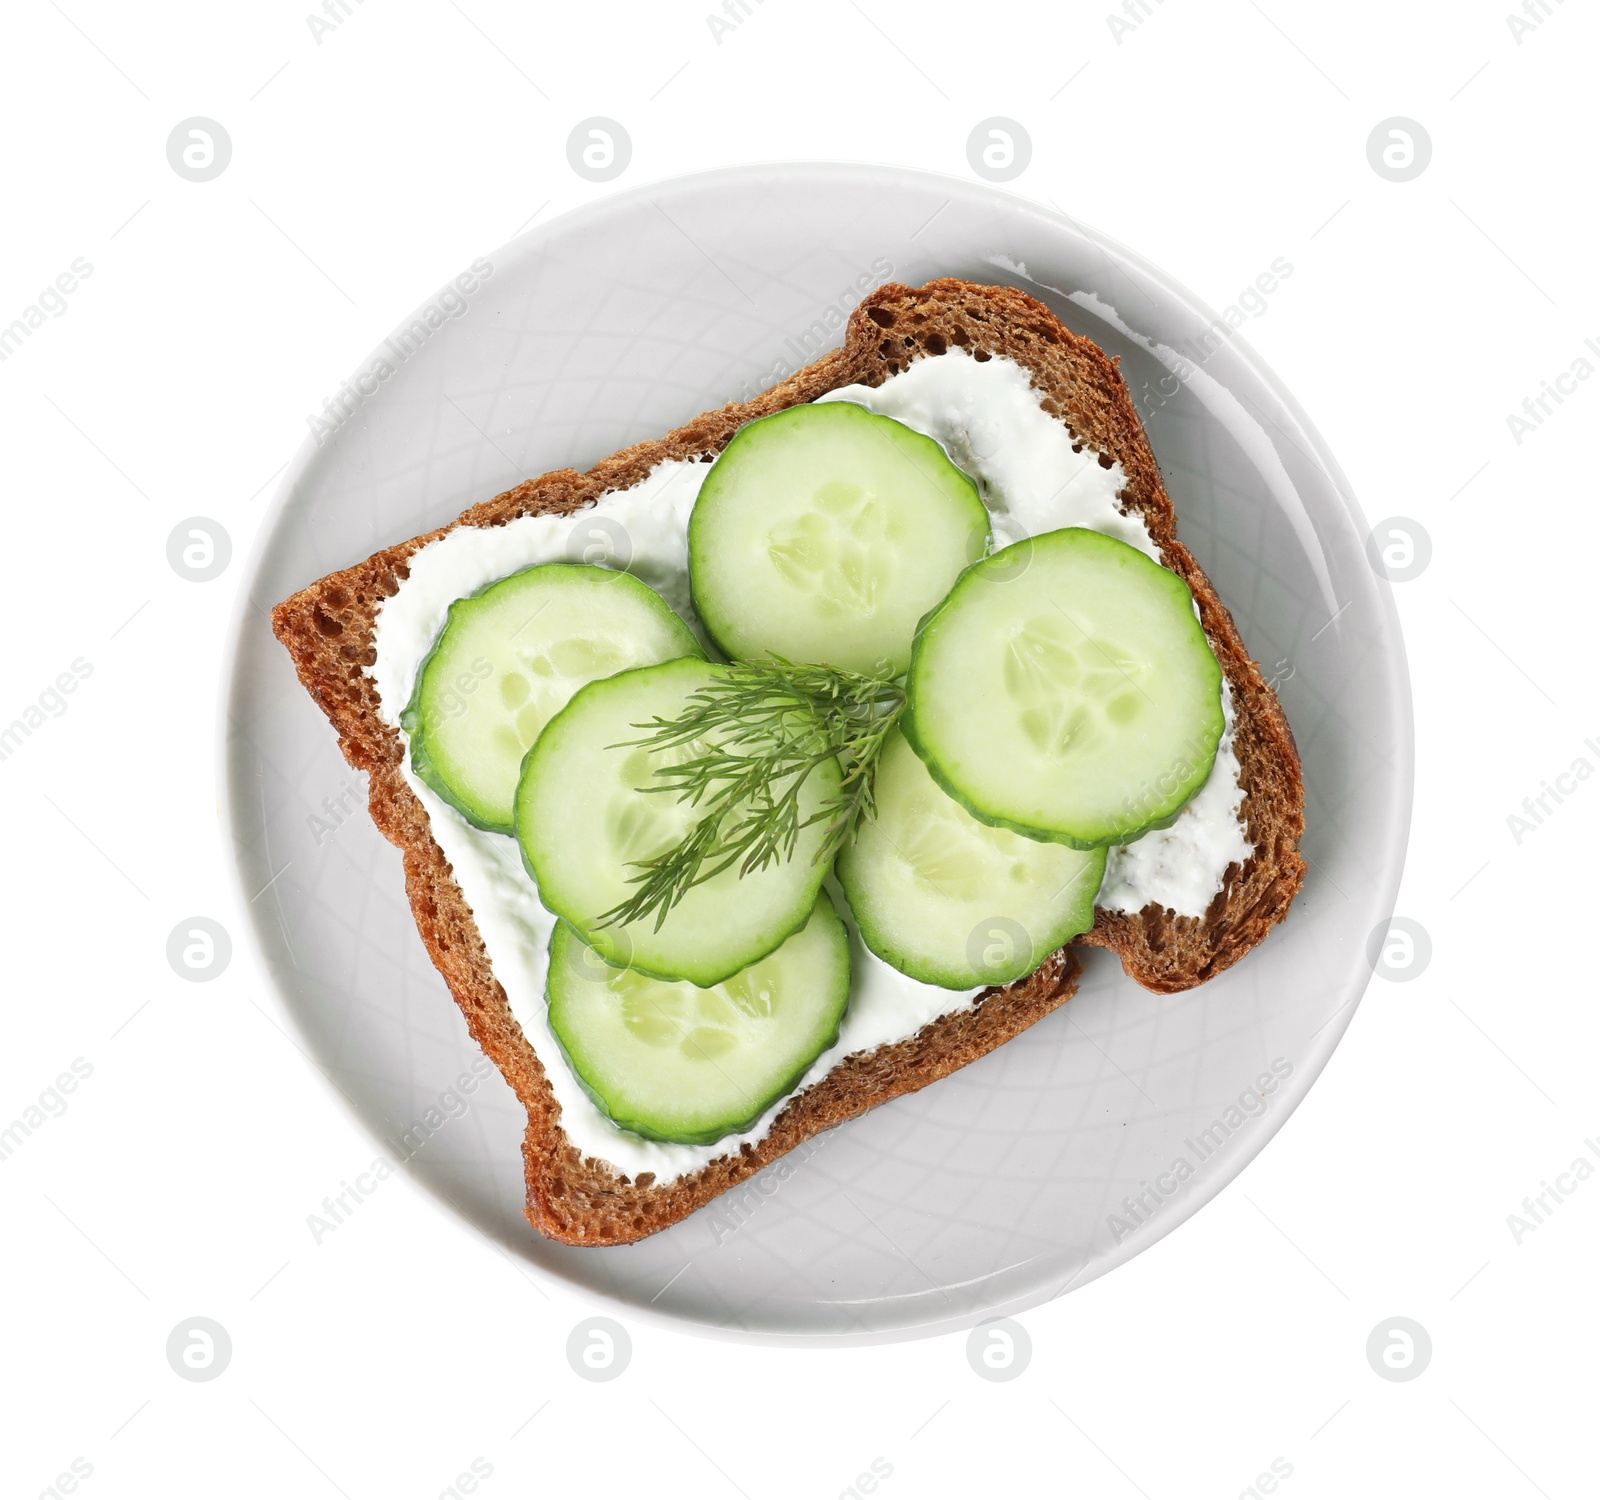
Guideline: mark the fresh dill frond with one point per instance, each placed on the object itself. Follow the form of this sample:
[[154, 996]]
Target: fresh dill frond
[[754, 735]]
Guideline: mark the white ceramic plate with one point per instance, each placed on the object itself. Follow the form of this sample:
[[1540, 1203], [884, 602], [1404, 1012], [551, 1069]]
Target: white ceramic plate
[[1005, 1184]]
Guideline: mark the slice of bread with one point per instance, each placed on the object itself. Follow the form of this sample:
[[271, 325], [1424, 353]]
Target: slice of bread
[[328, 630]]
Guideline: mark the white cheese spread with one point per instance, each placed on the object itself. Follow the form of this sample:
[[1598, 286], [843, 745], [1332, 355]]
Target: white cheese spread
[[989, 419]]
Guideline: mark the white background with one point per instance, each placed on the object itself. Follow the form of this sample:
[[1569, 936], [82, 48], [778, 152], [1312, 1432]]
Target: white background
[[368, 169]]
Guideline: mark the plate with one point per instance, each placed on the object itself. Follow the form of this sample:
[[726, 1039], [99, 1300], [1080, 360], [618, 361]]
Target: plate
[[1067, 1151]]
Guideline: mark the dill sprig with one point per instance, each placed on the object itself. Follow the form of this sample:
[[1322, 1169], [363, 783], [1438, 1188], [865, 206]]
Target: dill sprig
[[756, 733]]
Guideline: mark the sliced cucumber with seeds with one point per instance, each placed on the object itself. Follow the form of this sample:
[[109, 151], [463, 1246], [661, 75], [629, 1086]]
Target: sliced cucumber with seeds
[[952, 901], [674, 1062], [508, 658], [825, 532], [1065, 690], [586, 815]]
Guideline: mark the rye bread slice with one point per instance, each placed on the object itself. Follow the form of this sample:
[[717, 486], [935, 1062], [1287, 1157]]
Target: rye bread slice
[[328, 630]]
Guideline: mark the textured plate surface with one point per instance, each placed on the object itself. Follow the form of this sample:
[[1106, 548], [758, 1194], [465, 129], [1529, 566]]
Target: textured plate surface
[[1005, 1184]]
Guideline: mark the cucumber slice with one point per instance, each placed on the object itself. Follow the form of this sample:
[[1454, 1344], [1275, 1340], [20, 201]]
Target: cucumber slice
[[673, 1062], [584, 816], [508, 658], [952, 901], [1065, 690], [824, 533]]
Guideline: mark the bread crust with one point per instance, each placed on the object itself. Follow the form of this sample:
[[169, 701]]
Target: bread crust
[[328, 629]]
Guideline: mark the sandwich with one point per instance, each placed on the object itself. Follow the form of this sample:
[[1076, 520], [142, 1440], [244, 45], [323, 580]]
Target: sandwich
[[786, 763]]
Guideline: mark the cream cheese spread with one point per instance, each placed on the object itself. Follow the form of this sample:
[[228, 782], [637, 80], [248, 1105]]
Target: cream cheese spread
[[1032, 477]]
